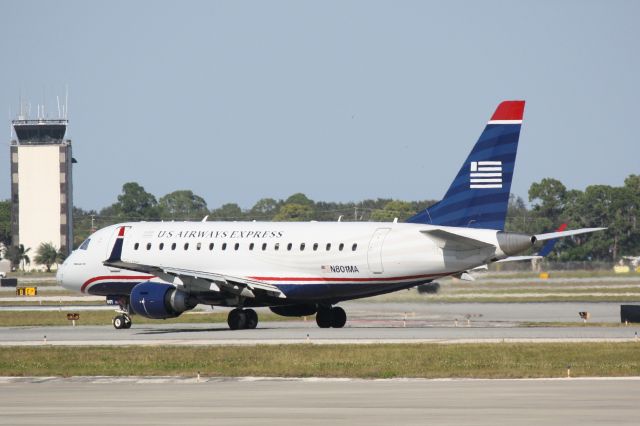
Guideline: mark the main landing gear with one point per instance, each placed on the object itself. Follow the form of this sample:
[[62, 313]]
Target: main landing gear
[[239, 319], [334, 317]]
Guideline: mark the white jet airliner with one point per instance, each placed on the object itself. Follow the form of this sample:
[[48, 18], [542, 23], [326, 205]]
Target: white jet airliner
[[162, 269]]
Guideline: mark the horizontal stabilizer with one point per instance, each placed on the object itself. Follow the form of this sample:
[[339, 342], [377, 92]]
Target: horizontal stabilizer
[[519, 258], [552, 235]]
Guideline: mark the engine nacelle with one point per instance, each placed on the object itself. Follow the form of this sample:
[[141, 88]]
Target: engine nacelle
[[159, 301], [295, 310]]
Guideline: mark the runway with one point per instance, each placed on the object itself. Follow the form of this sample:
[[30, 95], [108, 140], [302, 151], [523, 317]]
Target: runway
[[170, 401], [296, 333], [368, 323]]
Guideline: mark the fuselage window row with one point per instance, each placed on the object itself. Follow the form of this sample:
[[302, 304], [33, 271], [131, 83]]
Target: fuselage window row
[[236, 246]]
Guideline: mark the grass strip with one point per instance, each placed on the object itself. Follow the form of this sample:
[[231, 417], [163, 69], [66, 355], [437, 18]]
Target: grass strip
[[52, 318], [501, 360]]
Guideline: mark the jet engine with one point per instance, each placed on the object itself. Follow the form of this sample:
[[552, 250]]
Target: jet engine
[[159, 301]]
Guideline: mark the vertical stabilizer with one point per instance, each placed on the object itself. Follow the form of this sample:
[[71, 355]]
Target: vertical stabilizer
[[479, 195]]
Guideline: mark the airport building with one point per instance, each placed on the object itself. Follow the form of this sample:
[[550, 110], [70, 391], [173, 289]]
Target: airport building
[[41, 185]]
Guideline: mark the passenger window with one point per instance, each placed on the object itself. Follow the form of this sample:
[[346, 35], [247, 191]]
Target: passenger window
[[236, 246], [354, 246], [198, 246], [251, 246], [186, 246], [210, 246], [173, 246], [224, 246], [85, 244], [341, 246], [315, 246], [277, 247], [264, 246], [135, 246], [289, 246], [328, 246], [301, 246], [148, 246], [161, 246]]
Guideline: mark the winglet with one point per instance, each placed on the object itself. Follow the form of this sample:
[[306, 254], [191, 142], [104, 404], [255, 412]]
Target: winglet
[[116, 252]]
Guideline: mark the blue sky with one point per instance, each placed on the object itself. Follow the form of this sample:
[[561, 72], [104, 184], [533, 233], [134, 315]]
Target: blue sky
[[341, 100]]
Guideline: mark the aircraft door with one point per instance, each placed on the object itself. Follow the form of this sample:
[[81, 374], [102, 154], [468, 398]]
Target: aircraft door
[[374, 253]]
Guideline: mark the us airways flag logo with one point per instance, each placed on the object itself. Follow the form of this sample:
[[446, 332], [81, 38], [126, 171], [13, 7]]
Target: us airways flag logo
[[485, 174]]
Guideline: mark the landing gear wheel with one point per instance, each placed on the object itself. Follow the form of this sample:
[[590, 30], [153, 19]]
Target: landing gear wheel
[[338, 317], [324, 317], [119, 322], [237, 319], [251, 319]]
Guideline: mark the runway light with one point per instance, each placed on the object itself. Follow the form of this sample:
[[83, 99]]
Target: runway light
[[568, 371]]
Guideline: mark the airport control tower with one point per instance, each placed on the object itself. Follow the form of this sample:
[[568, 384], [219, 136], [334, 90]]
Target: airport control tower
[[41, 184]]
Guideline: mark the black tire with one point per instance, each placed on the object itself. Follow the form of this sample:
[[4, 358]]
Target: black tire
[[251, 319], [324, 317], [118, 322], [236, 319], [338, 317]]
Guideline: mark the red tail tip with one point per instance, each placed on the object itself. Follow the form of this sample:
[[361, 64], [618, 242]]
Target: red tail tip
[[509, 110]]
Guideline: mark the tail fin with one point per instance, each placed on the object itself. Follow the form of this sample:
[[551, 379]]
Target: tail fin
[[479, 195]]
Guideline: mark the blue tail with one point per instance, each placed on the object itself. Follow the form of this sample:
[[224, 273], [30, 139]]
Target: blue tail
[[479, 195]]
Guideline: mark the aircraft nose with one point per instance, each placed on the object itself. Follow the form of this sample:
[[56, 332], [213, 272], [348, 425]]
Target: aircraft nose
[[67, 275], [60, 274]]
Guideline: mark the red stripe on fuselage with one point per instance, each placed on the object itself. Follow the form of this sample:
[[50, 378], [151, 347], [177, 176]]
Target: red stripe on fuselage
[[336, 279], [116, 277]]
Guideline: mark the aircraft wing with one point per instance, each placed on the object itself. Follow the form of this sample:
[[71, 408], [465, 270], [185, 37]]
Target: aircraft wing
[[201, 280]]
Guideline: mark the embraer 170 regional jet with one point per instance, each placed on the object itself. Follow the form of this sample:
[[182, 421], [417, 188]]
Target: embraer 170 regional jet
[[162, 269]]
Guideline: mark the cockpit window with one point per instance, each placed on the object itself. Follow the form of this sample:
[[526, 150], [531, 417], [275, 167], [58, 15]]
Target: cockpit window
[[85, 244]]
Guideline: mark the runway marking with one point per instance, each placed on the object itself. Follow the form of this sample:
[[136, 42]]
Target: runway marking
[[312, 341], [5, 380]]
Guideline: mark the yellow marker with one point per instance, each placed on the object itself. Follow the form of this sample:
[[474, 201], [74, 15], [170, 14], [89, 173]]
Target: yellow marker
[[544, 275]]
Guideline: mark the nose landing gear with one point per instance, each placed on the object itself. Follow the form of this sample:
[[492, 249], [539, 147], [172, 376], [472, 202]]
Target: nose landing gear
[[123, 319], [334, 317]]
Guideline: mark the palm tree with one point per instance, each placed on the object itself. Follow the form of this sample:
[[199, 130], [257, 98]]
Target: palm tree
[[18, 256], [47, 255]]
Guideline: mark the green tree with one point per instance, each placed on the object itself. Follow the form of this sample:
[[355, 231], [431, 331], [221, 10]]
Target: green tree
[[182, 205], [5, 222], [548, 197], [134, 203], [18, 256], [47, 255], [264, 209], [229, 211], [393, 209], [299, 198], [517, 215], [294, 213]]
